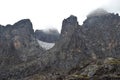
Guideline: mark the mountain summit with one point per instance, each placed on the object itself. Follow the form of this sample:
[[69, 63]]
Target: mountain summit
[[83, 52]]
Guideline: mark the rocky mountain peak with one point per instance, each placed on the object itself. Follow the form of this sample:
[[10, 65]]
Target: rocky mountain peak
[[23, 21], [101, 32], [26, 24], [72, 20], [87, 52], [106, 19], [69, 25], [17, 42]]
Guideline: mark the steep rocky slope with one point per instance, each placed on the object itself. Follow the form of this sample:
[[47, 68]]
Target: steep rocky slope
[[18, 47], [102, 35], [81, 48], [83, 52], [66, 58], [98, 38]]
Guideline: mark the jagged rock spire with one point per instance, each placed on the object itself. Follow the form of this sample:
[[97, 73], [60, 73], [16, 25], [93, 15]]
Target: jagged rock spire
[[69, 25]]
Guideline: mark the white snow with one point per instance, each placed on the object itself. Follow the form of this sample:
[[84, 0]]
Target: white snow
[[46, 45]]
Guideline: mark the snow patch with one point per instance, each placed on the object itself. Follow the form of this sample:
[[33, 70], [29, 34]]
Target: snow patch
[[45, 45]]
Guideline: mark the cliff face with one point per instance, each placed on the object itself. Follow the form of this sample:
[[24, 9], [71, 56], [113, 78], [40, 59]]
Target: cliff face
[[65, 55], [68, 27], [17, 45], [102, 35], [81, 47], [97, 39], [18, 39], [88, 51]]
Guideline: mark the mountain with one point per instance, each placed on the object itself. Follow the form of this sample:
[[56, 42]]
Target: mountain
[[82, 52], [48, 35], [97, 38], [18, 47]]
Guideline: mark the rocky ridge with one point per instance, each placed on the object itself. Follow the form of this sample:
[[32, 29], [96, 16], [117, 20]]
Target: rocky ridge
[[18, 47], [83, 52]]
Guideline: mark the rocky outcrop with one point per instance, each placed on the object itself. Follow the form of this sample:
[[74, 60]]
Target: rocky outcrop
[[18, 39], [79, 46], [102, 35], [97, 38], [83, 52], [17, 47], [108, 69], [48, 35], [69, 25], [62, 57]]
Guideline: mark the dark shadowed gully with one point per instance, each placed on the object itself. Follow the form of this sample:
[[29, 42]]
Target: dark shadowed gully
[[81, 52]]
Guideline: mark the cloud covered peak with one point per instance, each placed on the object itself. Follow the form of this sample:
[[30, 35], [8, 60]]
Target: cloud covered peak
[[98, 12]]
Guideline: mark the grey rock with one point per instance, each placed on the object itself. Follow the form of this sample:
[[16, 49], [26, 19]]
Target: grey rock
[[83, 50], [78, 46], [102, 35], [18, 47], [62, 57], [48, 35]]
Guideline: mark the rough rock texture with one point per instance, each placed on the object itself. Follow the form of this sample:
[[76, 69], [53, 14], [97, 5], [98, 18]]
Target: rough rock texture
[[98, 38], [102, 35], [18, 39], [61, 58], [17, 47], [48, 35], [83, 52], [79, 46], [108, 69]]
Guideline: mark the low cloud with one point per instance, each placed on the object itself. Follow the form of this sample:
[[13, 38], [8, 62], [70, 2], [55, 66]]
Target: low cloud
[[113, 6], [97, 12], [51, 31]]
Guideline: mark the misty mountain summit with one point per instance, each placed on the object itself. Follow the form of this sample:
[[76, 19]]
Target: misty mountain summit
[[98, 12], [81, 52], [47, 35]]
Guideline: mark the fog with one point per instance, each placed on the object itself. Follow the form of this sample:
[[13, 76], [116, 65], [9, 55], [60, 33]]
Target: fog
[[97, 12], [50, 13], [113, 6], [51, 31]]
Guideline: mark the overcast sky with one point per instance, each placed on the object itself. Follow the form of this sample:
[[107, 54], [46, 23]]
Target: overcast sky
[[50, 13]]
